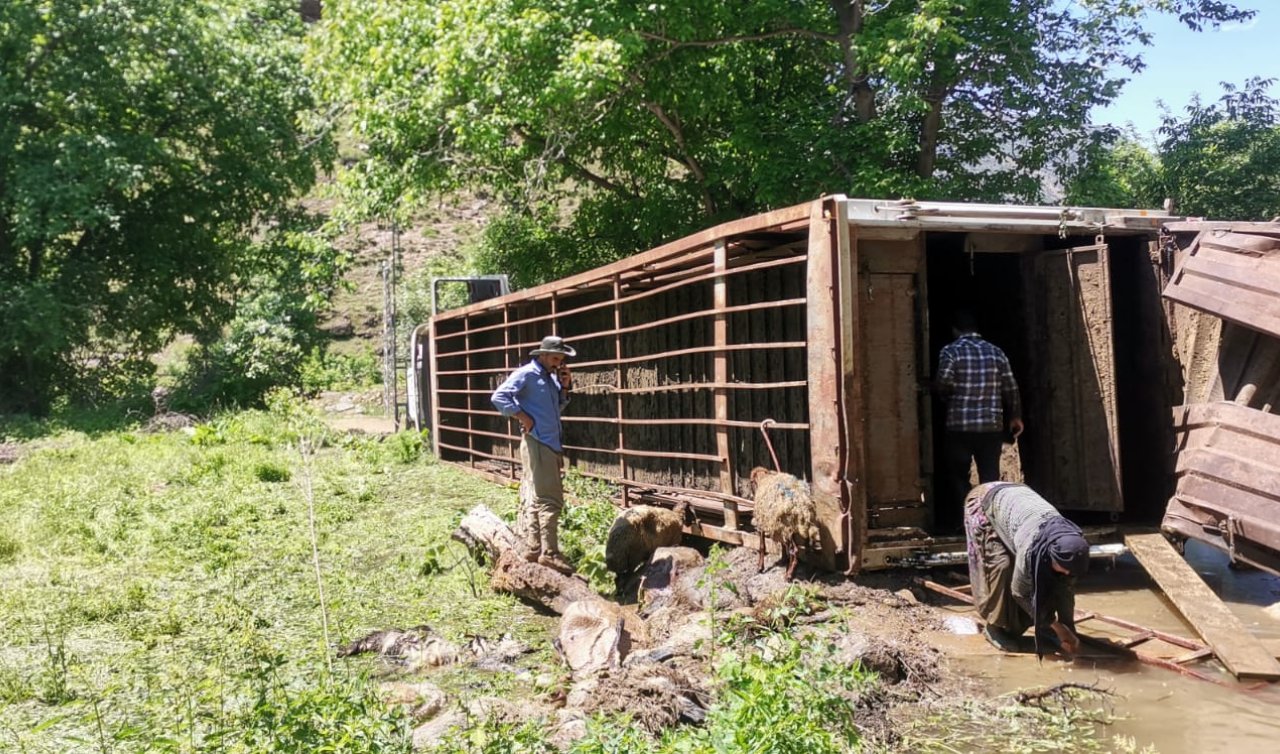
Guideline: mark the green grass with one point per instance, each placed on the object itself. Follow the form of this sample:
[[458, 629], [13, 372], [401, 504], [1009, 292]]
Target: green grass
[[160, 587], [160, 596]]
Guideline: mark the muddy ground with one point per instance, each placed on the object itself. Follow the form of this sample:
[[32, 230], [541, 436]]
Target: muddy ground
[[652, 658]]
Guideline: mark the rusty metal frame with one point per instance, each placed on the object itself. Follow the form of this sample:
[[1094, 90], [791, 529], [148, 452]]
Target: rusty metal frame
[[463, 350]]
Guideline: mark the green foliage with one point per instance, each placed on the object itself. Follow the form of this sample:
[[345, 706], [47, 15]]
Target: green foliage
[[584, 528], [272, 472], [782, 695], [415, 298], [606, 127], [532, 249], [1222, 160], [491, 737], [407, 445], [177, 586], [9, 548], [164, 601], [325, 370], [141, 142], [272, 340], [327, 716], [1117, 171]]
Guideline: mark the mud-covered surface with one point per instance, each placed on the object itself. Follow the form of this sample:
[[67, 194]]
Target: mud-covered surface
[[653, 659]]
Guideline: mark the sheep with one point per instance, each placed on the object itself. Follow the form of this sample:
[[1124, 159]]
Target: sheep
[[636, 533], [784, 512]]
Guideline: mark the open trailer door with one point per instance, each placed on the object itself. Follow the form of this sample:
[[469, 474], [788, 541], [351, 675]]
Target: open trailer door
[[1227, 476], [1071, 452]]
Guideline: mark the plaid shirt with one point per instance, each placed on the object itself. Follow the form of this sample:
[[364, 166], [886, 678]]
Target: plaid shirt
[[979, 385]]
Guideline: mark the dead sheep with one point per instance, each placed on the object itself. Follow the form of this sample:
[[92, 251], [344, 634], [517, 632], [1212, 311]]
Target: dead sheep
[[637, 533], [421, 647], [416, 648], [784, 512]]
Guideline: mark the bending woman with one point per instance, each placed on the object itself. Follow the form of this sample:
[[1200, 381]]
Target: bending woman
[[1023, 560]]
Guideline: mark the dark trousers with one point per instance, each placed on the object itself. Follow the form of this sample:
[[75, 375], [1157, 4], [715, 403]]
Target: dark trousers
[[984, 449]]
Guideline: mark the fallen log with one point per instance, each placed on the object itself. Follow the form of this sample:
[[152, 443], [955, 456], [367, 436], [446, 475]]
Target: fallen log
[[483, 532], [595, 634], [538, 584]]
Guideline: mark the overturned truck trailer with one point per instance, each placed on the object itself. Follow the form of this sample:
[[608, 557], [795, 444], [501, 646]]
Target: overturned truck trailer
[[827, 319]]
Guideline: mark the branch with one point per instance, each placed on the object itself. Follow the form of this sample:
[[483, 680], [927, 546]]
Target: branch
[[688, 160], [573, 166], [1058, 691]]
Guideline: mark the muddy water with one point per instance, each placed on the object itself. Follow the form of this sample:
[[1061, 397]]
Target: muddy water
[[1161, 708]]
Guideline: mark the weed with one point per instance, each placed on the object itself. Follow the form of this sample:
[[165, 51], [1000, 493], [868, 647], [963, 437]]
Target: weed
[[9, 548], [14, 686], [53, 684], [195, 626], [271, 473], [406, 446], [491, 737], [584, 530]]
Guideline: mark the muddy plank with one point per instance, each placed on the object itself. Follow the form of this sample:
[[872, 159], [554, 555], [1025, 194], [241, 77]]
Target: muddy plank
[[1239, 650]]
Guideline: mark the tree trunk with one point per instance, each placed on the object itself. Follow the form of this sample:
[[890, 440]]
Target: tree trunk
[[538, 584], [928, 158], [850, 16], [482, 531]]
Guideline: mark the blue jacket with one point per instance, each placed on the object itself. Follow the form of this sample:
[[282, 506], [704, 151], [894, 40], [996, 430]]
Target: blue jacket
[[534, 390]]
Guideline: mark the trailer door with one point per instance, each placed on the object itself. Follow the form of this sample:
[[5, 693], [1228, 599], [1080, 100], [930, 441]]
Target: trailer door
[[1071, 451]]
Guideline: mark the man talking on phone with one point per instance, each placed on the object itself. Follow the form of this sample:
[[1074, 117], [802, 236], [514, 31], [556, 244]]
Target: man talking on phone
[[534, 395]]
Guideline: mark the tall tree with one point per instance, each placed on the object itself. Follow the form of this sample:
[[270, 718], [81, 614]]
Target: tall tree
[[140, 142], [654, 118], [1218, 160], [1222, 160]]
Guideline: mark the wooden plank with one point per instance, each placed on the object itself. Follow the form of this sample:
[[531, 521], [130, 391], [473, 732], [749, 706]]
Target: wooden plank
[[1239, 650]]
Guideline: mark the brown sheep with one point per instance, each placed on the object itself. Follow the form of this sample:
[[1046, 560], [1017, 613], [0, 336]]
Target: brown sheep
[[636, 533], [784, 512]]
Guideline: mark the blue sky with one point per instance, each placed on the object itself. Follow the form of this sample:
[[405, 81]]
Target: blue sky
[[1181, 62]]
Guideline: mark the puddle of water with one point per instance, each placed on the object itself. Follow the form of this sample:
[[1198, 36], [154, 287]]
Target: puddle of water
[[1161, 708]]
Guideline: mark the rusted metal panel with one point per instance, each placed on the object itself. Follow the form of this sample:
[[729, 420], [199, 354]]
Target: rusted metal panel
[[826, 372], [1233, 275], [1228, 481], [893, 420], [1071, 400], [670, 387]]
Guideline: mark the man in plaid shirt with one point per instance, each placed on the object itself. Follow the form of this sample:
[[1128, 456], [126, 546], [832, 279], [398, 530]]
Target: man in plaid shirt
[[975, 380]]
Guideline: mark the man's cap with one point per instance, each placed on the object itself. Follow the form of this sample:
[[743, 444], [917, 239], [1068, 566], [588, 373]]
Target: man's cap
[[554, 344]]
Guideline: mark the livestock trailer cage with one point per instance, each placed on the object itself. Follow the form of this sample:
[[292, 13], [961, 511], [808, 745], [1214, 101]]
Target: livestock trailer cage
[[827, 319]]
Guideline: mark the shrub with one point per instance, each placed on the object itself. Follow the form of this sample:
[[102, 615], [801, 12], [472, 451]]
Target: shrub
[[263, 347], [322, 370], [271, 473]]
